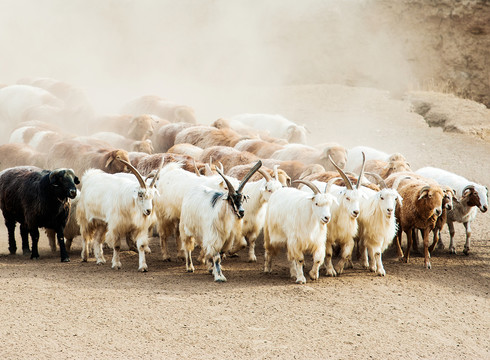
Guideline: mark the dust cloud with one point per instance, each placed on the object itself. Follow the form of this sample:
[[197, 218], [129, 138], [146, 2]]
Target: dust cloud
[[197, 52]]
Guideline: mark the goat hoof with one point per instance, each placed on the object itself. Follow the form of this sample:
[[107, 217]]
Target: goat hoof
[[143, 269], [452, 251], [220, 280], [234, 255], [466, 251], [24, 252], [65, 259], [35, 257]]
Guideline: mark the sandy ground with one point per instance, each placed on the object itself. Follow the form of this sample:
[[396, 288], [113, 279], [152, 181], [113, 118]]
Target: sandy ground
[[81, 310]]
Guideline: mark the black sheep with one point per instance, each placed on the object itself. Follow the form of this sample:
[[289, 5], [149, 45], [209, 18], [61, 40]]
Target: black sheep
[[36, 198]]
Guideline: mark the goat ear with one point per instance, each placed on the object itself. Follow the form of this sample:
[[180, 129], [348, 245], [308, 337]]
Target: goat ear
[[424, 192], [76, 180]]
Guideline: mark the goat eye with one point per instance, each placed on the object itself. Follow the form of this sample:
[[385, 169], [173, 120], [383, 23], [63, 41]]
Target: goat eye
[[382, 198], [347, 198]]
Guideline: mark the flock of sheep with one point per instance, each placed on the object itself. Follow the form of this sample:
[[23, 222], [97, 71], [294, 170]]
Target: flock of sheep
[[153, 169]]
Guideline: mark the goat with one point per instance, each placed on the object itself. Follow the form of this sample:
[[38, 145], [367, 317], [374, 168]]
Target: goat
[[112, 206], [422, 205], [20, 154], [354, 156], [163, 108], [186, 149], [227, 156], [471, 196], [164, 139], [310, 155], [262, 149], [386, 168], [297, 220], [206, 136], [36, 198], [209, 217], [121, 142]]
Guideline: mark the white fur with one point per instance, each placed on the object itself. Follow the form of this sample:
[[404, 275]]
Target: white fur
[[298, 221], [461, 212], [354, 156], [111, 207], [277, 126]]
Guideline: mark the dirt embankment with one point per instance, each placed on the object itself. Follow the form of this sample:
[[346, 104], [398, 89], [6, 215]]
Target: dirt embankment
[[447, 43]]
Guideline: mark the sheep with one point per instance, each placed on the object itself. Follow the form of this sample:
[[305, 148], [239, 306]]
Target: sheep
[[112, 206], [36, 198], [471, 196], [206, 136], [186, 149], [262, 149], [39, 135], [228, 156], [20, 154], [386, 168], [239, 171], [210, 217], [295, 169], [163, 108], [83, 156], [297, 220], [343, 228], [422, 205], [257, 193], [276, 125], [247, 131], [174, 184], [377, 224], [120, 142], [310, 155], [133, 127], [354, 157]]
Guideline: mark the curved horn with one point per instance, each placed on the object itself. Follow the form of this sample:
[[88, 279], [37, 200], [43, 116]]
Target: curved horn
[[231, 189], [222, 168], [158, 173], [249, 175], [398, 180], [135, 172], [265, 175], [421, 192], [379, 180], [309, 184], [196, 170], [276, 173], [330, 183], [468, 187], [348, 184], [362, 170]]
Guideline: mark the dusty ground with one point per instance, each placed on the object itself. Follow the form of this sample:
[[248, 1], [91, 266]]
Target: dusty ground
[[80, 310]]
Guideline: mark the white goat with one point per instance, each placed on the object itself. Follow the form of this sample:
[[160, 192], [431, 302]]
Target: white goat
[[298, 221], [173, 185], [354, 157], [209, 217], [377, 224], [277, 126], [111, 207], [470, 196], [258, 194]]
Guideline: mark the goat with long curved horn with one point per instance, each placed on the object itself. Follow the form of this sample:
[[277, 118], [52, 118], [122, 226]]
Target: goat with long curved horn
[[136, 173], [379, 180], [348, 184], [265, 175]]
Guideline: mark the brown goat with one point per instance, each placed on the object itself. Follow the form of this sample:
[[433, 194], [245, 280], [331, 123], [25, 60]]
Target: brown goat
[[81, 157], [164, 139], [146, 164], [20, 154], [263, 149], [228, 156], [422, 205], [136, 128], [384, 168], [293, 168], [186, 149], [239, 171], [206, 136]]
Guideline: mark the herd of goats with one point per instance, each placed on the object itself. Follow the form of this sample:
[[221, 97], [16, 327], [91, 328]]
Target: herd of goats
[[152, 169]]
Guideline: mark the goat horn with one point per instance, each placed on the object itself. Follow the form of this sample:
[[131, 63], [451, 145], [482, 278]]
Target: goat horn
[[152, 184], [249, 175], [469, 187], [196, 170], [331, 182], [312, 186], [424, 189], [362, 170], [348, 184], [276, 173], [379, 179], [135, 172], [398, 180], [222, 168], [266, 176], [231, 189]]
